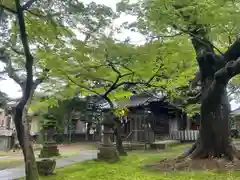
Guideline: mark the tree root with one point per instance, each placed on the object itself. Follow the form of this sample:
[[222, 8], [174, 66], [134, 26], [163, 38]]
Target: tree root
[[198, 152], [190, 151], [198, 158]]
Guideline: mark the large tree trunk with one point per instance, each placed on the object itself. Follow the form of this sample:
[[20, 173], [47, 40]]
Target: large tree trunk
[[214, 140], [22, 128], [119, 143]]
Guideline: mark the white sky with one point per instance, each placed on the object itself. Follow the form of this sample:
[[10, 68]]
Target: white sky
[[13, 90]]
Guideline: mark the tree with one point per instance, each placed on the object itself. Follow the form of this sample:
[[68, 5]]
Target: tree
[[98, 65], [17, 51], [20, 119], [202, 26], [62, 112], [119, 69]]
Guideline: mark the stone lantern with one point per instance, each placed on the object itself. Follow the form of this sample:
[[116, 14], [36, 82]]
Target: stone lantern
[[49, 148], [107, 152]]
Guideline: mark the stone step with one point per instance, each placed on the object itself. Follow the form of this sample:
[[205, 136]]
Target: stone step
[[132, 145], [164, 144]]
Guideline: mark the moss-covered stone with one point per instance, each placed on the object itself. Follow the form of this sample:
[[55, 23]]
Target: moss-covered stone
[[49, 150], [46, 167], [108, 154]]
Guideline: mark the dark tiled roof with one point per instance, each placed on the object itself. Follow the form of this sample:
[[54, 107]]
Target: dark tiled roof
[[133, 101], [130, 103]]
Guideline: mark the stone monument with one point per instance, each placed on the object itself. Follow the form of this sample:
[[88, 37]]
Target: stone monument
[[49, 148], [107, 152], [47, 166]]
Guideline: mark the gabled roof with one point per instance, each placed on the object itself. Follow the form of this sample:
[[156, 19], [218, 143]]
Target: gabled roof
[[134, 101]]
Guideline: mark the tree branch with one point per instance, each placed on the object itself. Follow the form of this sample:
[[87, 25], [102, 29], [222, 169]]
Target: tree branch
[[112, 87], [16, 50], [217, 87], [27, 53], [231, 69], [41, 78], [27, 5], [119, 76], [11, 71], [233, 51], [194, 100], [80, 85], [8, 9]]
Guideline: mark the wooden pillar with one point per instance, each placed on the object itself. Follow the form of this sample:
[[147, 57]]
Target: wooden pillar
[[135, 136], [189, 123]]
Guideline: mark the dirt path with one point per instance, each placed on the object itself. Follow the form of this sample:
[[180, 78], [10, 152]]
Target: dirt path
[[65, 150]]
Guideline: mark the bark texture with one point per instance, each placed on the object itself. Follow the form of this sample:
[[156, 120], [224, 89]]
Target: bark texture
[[119, 143], [28, 86], [22, 128], [216, 70]]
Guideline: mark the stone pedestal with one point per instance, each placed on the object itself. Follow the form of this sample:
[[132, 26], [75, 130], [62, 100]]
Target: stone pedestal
[[107, 152], [49, 150], [46, 167]]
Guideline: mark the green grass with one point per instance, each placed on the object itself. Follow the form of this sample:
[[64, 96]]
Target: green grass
[[11, 163], [131, 168], [181, 146]]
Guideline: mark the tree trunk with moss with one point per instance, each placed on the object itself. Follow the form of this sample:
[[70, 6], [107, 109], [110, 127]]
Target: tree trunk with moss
[[22, 128], [216, 70], [117, 126], [119, 143]]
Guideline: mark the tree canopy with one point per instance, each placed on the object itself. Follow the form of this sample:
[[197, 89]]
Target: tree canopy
[[68, 49]]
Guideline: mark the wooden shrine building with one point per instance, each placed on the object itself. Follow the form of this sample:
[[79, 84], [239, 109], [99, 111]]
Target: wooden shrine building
[[149, 118]]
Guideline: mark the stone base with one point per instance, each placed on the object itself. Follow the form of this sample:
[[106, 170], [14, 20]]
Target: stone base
[[108, 154], [49, 150], [46, 167], [163, 144]]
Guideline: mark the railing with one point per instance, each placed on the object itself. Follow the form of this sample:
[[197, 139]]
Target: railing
[[186, 135]]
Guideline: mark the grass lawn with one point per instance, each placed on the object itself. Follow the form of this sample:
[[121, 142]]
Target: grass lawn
[[131, 168], [10, 163], [18, 161]]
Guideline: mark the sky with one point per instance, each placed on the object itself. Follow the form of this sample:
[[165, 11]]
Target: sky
[[13, 90]]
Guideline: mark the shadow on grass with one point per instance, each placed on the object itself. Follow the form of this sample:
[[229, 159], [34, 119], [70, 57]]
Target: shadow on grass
[[132, 168]]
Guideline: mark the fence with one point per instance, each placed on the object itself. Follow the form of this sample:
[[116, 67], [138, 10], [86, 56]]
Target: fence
[[186, 135]]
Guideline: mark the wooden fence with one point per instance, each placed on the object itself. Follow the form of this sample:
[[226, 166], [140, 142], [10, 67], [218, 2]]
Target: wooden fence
[[186, 135]]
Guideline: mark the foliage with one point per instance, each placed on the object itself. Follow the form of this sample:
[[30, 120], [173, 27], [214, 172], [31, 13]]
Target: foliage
[[192, 109], [38, 21], [170, 20], [93, 63], [60, 112], [167, 17], [83, 59], [121, 112]]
